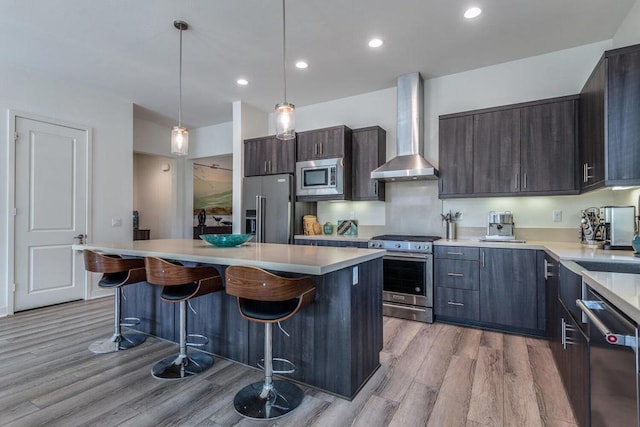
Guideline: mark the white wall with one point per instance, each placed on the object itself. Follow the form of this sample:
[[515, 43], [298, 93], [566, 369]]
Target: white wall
[[629, 31], [111, 120], [155, 194]]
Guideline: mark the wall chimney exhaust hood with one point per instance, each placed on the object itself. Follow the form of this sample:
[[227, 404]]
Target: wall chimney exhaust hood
[[409, 163]]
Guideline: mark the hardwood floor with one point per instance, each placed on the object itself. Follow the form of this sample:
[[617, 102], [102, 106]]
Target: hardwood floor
[[431, 374]]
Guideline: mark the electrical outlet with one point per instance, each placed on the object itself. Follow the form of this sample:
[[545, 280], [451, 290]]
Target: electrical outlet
[[557, 215], [116, 222]]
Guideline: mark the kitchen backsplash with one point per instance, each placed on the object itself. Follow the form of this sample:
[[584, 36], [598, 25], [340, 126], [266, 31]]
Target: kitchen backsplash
[[414, 208]]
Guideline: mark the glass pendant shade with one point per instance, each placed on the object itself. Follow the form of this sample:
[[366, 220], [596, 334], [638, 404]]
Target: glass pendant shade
[[179, 141], [285, 121]]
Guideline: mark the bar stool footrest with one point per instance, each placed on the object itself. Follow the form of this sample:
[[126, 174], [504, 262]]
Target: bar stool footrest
[[283, 399], [201, 343], [280, 366], [129, 322]]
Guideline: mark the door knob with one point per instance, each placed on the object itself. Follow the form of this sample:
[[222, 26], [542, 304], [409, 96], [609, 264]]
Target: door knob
[[81, 238]]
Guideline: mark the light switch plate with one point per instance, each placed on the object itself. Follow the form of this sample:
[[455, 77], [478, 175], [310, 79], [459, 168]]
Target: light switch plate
[[557, 215], [116, 222]]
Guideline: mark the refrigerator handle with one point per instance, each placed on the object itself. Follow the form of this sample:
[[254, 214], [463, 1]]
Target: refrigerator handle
[[260, 211]]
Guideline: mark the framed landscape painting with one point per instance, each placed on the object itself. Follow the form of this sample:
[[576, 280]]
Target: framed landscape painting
[[212, 189]]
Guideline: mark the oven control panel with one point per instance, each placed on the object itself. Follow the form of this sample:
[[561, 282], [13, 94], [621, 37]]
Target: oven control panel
[[402, 246]]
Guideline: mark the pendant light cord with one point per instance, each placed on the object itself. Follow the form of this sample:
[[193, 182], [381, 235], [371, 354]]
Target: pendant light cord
[[284, 53], [180, 85]]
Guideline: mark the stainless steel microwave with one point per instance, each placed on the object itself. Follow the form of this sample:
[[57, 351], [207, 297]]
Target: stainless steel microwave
[[323, 177]]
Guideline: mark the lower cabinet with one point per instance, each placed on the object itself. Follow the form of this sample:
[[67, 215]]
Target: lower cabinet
[[572, 360], [509, 287], [496, 288], [568, 342]]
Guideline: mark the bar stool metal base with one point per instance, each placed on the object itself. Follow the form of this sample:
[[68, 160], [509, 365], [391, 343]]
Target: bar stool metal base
[[178, 367], [117, 343], [282, 398]]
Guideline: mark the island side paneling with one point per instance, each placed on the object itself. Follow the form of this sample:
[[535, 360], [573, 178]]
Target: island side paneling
[[335, 343]]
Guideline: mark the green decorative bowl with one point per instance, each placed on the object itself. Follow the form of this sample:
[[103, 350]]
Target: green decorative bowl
[[226, 240]]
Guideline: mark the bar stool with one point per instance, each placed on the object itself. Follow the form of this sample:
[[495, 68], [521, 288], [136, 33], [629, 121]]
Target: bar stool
[[266, 298], [180, 284], [116, 273]]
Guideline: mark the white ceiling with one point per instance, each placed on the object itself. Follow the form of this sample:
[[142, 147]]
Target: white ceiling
[[130, 47]]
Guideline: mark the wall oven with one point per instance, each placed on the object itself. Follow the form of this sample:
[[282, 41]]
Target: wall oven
[[323, 177], [407, 276]]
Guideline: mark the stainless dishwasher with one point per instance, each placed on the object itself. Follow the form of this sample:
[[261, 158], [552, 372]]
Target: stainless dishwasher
[[613, 363]]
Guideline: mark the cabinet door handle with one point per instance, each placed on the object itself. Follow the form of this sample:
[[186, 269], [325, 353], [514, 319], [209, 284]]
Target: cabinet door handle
[[321, 148], [265, 166], [547, 273], [517, 179], [270, 170], [375, 187], [482, 257], [458, 304], [524, 180], [585, 172], [455, 253], [455, 274]]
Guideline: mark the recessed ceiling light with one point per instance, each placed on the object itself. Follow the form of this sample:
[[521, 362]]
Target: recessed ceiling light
[[375, 43], [302, 64], [242, 82], [472, 12]]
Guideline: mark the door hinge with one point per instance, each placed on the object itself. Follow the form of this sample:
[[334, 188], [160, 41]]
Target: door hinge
[[15, 211], [13, 288], [15, 137]]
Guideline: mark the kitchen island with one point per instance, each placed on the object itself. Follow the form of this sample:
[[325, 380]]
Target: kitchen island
[[334, 343]]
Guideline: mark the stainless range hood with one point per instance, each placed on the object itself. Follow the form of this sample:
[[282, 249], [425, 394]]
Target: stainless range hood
[[409, 163]]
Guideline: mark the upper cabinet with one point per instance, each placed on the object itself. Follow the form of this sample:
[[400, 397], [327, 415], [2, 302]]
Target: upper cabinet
[[325, 143], [368, 152], [269, 156], [610, 121], [516, 150]]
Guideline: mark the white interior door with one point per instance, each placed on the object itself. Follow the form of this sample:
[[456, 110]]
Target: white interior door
[[51, 181]]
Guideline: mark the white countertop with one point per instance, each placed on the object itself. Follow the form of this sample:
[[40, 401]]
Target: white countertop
[[289, 258], [620, 289], [558, 250]]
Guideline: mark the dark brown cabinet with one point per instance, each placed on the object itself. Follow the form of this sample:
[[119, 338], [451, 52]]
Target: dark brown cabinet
[[456, 284], [610, 121], [496, 151], [324, 143], [368, 152], [218, 229], [516, 150], [548, 147], [456, 155], [509, 288], [269, 156]]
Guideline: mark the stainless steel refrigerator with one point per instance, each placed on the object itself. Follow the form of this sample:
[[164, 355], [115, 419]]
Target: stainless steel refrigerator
[[269, 209]]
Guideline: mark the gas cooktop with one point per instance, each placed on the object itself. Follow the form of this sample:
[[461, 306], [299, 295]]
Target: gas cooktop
[[406, 238]]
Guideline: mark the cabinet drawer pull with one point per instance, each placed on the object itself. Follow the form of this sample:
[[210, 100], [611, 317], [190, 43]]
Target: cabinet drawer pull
[[455, 253], [458, 304], [455, 274]]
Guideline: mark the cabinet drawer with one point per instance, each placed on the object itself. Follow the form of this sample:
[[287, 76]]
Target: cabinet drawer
[[458, 303], [458, 274], [457, 252]]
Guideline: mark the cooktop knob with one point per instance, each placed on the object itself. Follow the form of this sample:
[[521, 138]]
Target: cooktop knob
[[397, 245], [418, 247]]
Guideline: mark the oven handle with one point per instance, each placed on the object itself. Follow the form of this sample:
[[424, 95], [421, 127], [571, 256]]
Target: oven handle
[[587, 308], [408, 257]]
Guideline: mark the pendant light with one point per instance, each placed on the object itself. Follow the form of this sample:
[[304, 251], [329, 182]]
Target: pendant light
[[180, 135], [285, 121]]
